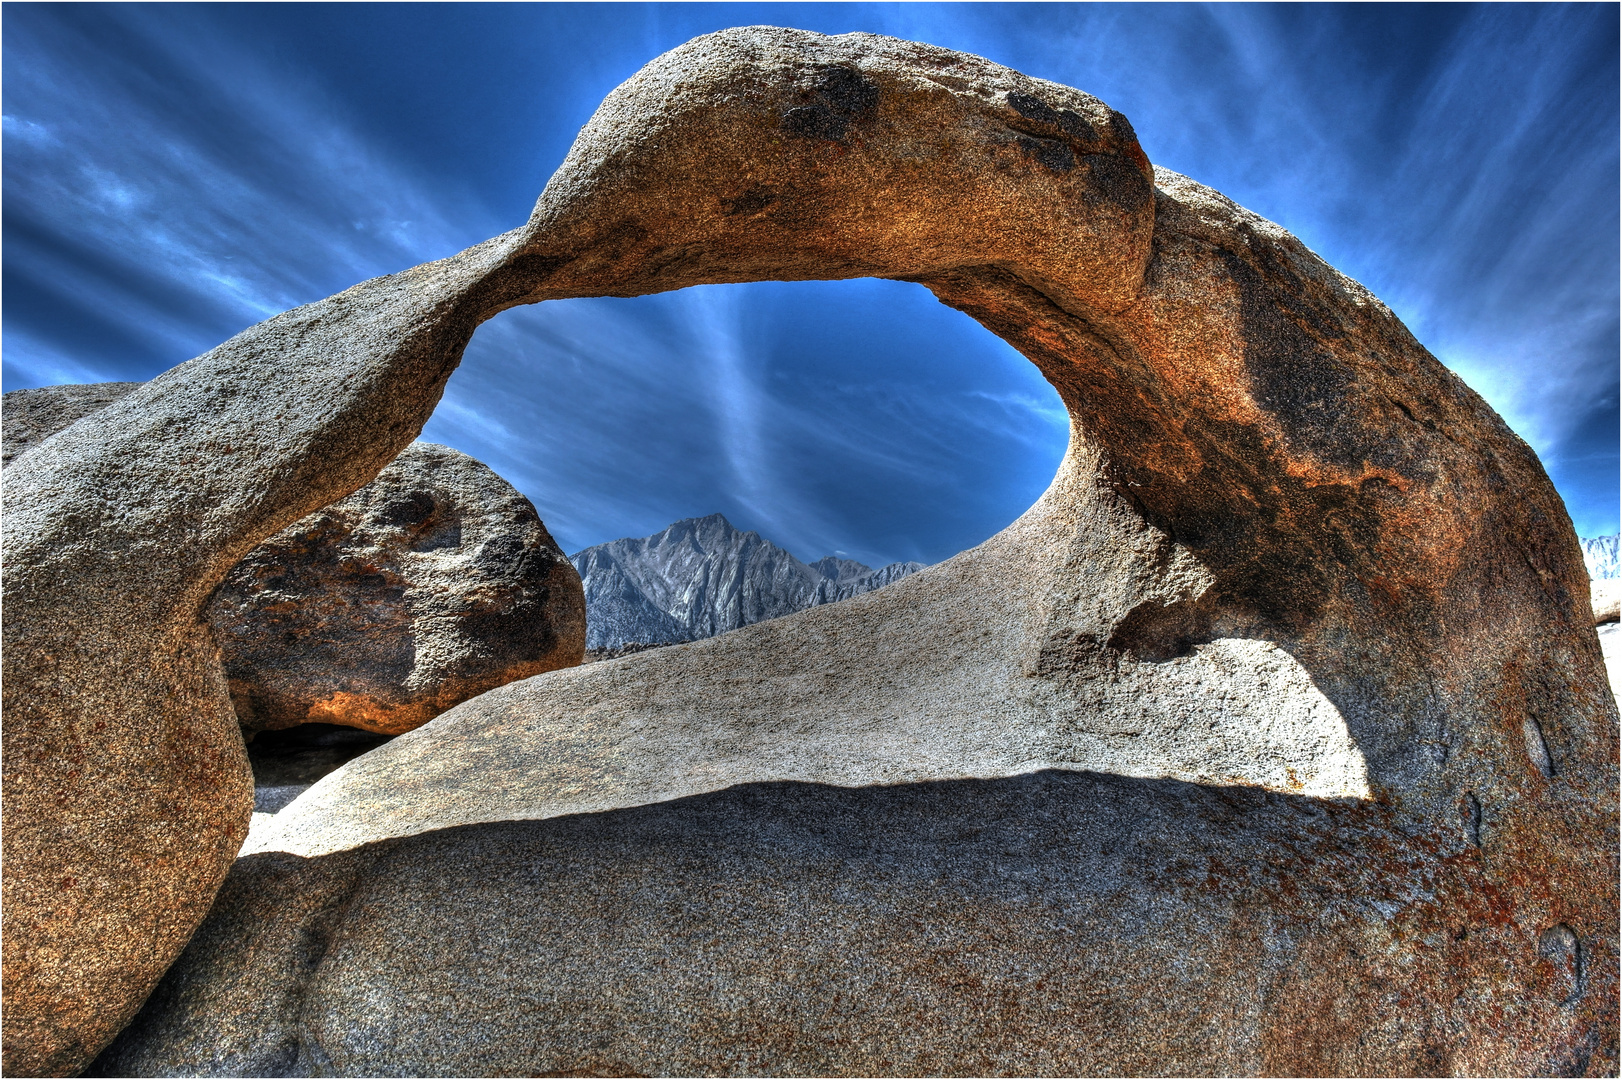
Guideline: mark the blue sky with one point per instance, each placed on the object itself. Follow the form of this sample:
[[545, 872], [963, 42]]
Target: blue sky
[[173, 174]]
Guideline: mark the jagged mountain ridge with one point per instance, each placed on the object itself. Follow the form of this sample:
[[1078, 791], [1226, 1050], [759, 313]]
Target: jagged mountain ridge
[[701, 577], [1600, 553]]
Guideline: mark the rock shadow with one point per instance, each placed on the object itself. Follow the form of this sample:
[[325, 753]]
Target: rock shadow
[[1018, 925]]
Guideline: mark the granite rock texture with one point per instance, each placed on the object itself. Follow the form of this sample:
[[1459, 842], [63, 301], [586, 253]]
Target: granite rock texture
[[1021, 926], [435, 582], [32, 416], [1289, 563], [128, 791]]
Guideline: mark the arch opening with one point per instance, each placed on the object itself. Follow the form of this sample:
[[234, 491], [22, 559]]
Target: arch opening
[[857, 418]]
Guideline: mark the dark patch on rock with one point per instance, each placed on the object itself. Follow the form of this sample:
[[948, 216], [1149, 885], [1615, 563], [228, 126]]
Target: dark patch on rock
[[1059, 121], [1472, 818], [752, 201], [1119, 181], [1292, 375], [1121, 128], [1059, 139], [287, 761], [1157, 631], [815, 122], [847, 91], [1049, 153], [839, 97]]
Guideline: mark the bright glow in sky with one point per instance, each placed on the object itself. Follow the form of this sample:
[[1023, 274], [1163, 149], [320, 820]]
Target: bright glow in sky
[[173, 174]]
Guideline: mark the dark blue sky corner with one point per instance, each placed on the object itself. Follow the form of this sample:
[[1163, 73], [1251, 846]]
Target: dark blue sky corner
[[175, 173]]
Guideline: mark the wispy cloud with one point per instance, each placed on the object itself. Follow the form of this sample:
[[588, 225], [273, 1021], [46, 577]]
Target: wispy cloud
[[183, 197], [619, 416], [173, 174], [714, 319]]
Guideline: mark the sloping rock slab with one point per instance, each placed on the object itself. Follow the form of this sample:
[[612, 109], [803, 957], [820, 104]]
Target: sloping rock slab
[[435, 582], [1050, 924]]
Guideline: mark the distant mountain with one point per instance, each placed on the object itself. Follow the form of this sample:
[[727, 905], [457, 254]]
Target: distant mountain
[[701, 577], [1600, 554]]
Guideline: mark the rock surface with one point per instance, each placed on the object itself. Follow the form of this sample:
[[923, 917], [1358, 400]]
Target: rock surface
[[32, 416], [431, 584], [117, 530], [1301, 630], [953, 928], [435, 582], [701, 577]]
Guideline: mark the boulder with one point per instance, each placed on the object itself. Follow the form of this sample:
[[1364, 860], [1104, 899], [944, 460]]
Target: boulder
[[117, 531], [1274, 738], [435, 582], [1031, 925]]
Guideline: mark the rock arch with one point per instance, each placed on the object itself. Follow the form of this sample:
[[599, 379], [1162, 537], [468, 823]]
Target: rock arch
[[1262, 453]]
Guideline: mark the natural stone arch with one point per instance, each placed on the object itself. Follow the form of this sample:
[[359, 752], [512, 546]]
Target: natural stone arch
[[1262, 452]]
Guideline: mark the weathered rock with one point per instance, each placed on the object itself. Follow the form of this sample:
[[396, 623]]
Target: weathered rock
[[1304, 623], [614, 652], [435, 582], [117, 531], [34, 415], [1020, 926]]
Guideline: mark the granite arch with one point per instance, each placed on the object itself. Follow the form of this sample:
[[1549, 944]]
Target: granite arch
[[1262, 453]]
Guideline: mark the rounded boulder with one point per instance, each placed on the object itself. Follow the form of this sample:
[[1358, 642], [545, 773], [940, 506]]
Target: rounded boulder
[[432, 584]]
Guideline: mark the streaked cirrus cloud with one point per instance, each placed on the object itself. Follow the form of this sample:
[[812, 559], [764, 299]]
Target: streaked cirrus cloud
[[176, 173]]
